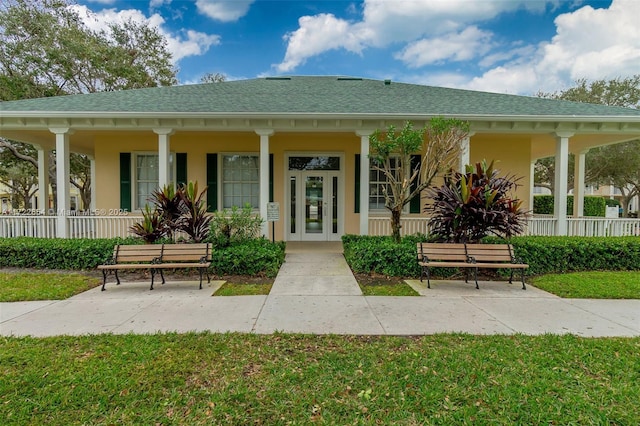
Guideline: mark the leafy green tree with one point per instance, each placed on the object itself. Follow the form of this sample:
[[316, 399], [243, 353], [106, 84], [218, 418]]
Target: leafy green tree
[[623, 92], [213, 78], [469, 206], [47, 50], [391, 153], [19, 176], [618, 164]]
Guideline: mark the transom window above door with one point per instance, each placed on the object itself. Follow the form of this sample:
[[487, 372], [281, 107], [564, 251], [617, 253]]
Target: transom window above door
[[314, 163]]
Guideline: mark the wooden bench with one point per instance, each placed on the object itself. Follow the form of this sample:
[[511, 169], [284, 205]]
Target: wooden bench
[[496, 256], [157, 257], [468, 256]]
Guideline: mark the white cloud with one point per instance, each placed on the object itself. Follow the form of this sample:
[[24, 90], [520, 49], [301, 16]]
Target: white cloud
[[102, 1], [156, 4], [318, 34], [194, 44], [182, 44], [386, 22], [589, 43], [463, 46], [224, 10]]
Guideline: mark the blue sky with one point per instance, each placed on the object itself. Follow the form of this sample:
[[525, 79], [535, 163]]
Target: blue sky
[[506, 46]]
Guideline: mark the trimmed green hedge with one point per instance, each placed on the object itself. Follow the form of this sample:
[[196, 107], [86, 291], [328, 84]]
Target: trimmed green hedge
[[57, 253], [254, 257], [593, 206], [380, 255], [366, 254], [571, 254]]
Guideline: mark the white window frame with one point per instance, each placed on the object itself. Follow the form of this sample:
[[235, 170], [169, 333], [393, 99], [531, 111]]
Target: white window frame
[[134, 174], [221, 179], [380, 211]]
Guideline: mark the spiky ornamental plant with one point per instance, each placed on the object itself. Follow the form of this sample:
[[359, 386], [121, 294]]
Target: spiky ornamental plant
[[193, 220], [470, 206], [166, 202], [151, 227]]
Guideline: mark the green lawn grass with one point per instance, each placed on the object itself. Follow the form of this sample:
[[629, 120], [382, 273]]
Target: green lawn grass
[[235, 289], [592, 285], [25, 286], [397, 289], [295, 379]]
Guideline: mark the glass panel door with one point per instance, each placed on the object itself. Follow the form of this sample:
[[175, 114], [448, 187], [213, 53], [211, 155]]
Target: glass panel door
[[315, 207], [314, 199]]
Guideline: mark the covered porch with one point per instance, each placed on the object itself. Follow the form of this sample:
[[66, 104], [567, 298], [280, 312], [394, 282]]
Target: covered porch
[[118, 226]]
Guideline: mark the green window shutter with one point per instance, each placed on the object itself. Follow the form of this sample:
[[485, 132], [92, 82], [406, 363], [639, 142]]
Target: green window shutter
[[181, 168], [414, 204], [356, 201], [125, 181], [270, 177], [212, 182]]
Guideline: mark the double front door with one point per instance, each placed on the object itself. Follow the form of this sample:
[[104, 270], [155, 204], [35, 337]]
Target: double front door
[[314, 212]]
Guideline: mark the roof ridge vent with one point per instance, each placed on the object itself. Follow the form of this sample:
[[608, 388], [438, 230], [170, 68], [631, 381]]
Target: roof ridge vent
[[277, 78], [349, 79]]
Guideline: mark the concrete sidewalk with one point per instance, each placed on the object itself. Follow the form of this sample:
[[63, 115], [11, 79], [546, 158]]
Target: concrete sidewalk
[[315, 292]]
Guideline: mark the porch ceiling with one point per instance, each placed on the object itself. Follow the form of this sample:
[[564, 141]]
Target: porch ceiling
[[34, 127]]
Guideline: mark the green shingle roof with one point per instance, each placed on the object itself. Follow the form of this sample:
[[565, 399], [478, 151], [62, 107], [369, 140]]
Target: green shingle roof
[[313, 95]]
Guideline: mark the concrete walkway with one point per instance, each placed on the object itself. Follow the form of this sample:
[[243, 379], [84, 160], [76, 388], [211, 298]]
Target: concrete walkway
[[315, 292]]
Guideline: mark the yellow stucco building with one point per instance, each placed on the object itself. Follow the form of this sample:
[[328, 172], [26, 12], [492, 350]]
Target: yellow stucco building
[[301, 142]]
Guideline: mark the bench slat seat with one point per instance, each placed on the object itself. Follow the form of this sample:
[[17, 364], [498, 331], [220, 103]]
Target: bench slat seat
[[157, 257]]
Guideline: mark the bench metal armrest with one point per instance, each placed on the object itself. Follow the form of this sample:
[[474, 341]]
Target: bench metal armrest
[[156, 261], [110, 261], [471, 259], [203, 259]]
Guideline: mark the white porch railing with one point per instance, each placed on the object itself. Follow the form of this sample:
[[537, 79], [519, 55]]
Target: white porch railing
[[410, 225], [79, 226], [118, 226], [27, 226], [537, 225], [599, 227], [101, 226]]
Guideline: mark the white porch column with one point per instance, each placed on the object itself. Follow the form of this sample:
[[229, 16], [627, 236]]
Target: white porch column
[[264, 177], [532, 184], [43, 179], [62, 179], [560, 186], [364, 181], [578, 184], [465, 152], [92, 165], [164, 151]]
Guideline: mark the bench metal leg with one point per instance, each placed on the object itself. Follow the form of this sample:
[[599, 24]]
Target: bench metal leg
[[524, 287], [511, 277], [104, 279], [201, 272], [476, 278], [162, 276], [153, 274], [117, 277]]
